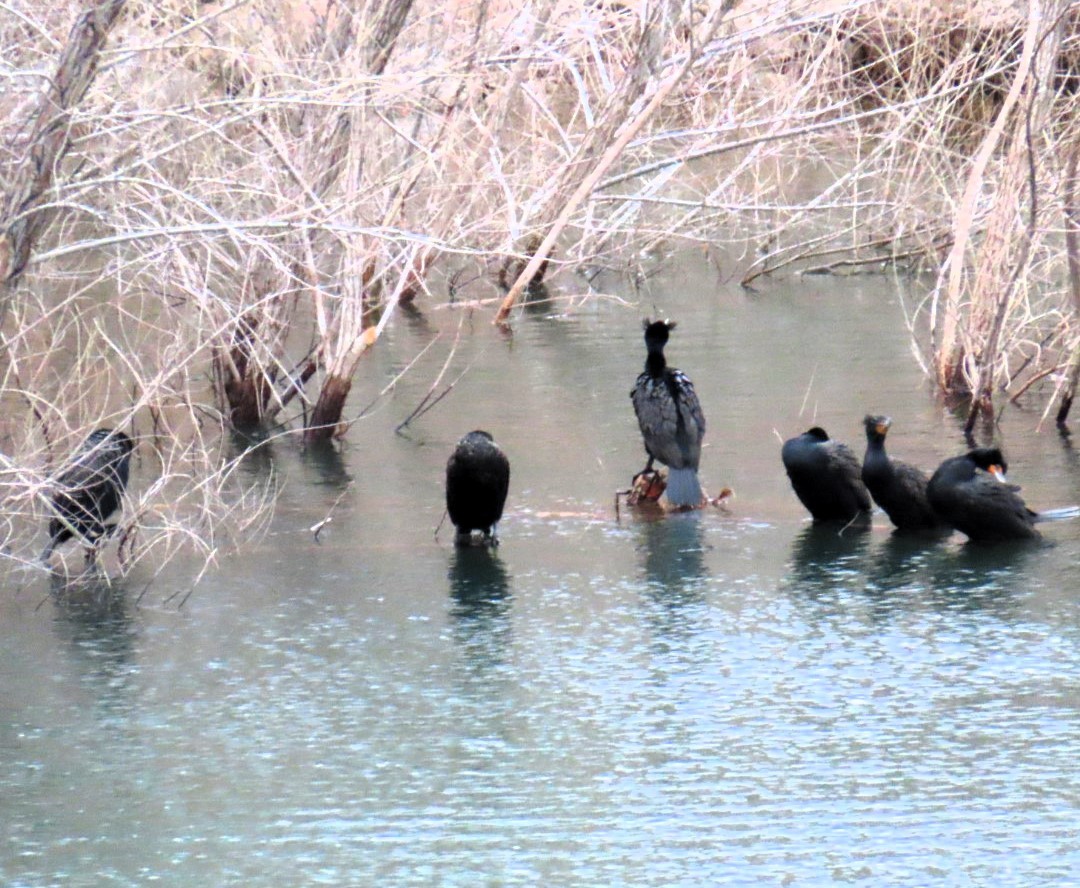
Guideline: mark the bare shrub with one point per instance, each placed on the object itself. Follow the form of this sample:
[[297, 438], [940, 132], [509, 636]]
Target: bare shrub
[[247, 193]]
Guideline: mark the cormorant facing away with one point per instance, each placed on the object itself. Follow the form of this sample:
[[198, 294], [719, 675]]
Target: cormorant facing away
[[477, 479], [89, 489], [968, 492], [826, 476], [670, 417], [899, 488]]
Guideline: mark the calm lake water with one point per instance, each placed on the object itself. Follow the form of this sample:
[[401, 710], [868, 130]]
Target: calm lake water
[[718, 698]]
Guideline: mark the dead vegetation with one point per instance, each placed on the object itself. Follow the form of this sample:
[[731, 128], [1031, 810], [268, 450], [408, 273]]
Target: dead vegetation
[[252, 190]]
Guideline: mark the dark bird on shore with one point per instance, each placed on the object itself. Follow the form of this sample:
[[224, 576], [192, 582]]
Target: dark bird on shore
[[477, 479], [670, 417], [899, 488], [826, 476], [88, 490], [971, 493]]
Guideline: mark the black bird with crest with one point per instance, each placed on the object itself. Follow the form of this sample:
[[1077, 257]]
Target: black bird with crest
[[670, 417]]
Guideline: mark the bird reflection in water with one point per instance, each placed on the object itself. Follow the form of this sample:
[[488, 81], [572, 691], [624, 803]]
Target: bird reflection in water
[[674, 565], [824, 557], [900, 561], [978, 578], [94, 617], [480, 609]]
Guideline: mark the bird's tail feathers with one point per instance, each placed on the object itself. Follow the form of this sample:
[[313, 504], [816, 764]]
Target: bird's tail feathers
[[1062, 514], [683, 487]]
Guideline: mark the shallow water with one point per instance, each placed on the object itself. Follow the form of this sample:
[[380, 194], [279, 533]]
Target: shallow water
[[729, 697]]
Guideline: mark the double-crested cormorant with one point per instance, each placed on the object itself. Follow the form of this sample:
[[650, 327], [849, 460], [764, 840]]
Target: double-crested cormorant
[[89, 489], [826, 476], [969, 493], [477, 479], [670, 417], [899, 488]]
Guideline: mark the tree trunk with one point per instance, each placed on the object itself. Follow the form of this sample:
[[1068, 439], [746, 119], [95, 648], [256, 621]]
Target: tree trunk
[[326, 417], [951, 328], [23, 219], [1006, 252], [605, 142], [1072, 253]]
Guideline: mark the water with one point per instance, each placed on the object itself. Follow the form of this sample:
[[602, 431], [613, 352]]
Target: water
[[721, 698]]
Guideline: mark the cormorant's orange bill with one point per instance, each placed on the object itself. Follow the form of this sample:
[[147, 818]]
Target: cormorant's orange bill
[[998, 472]]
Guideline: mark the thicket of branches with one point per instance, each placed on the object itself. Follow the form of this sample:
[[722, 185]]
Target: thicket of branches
[[213, 210]]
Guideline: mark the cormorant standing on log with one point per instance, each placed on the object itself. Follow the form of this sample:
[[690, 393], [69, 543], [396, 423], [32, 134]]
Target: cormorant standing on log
[[670, 417]]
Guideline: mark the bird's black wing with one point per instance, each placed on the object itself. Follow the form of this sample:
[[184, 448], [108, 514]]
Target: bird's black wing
[[670, 417], [845, 463]]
